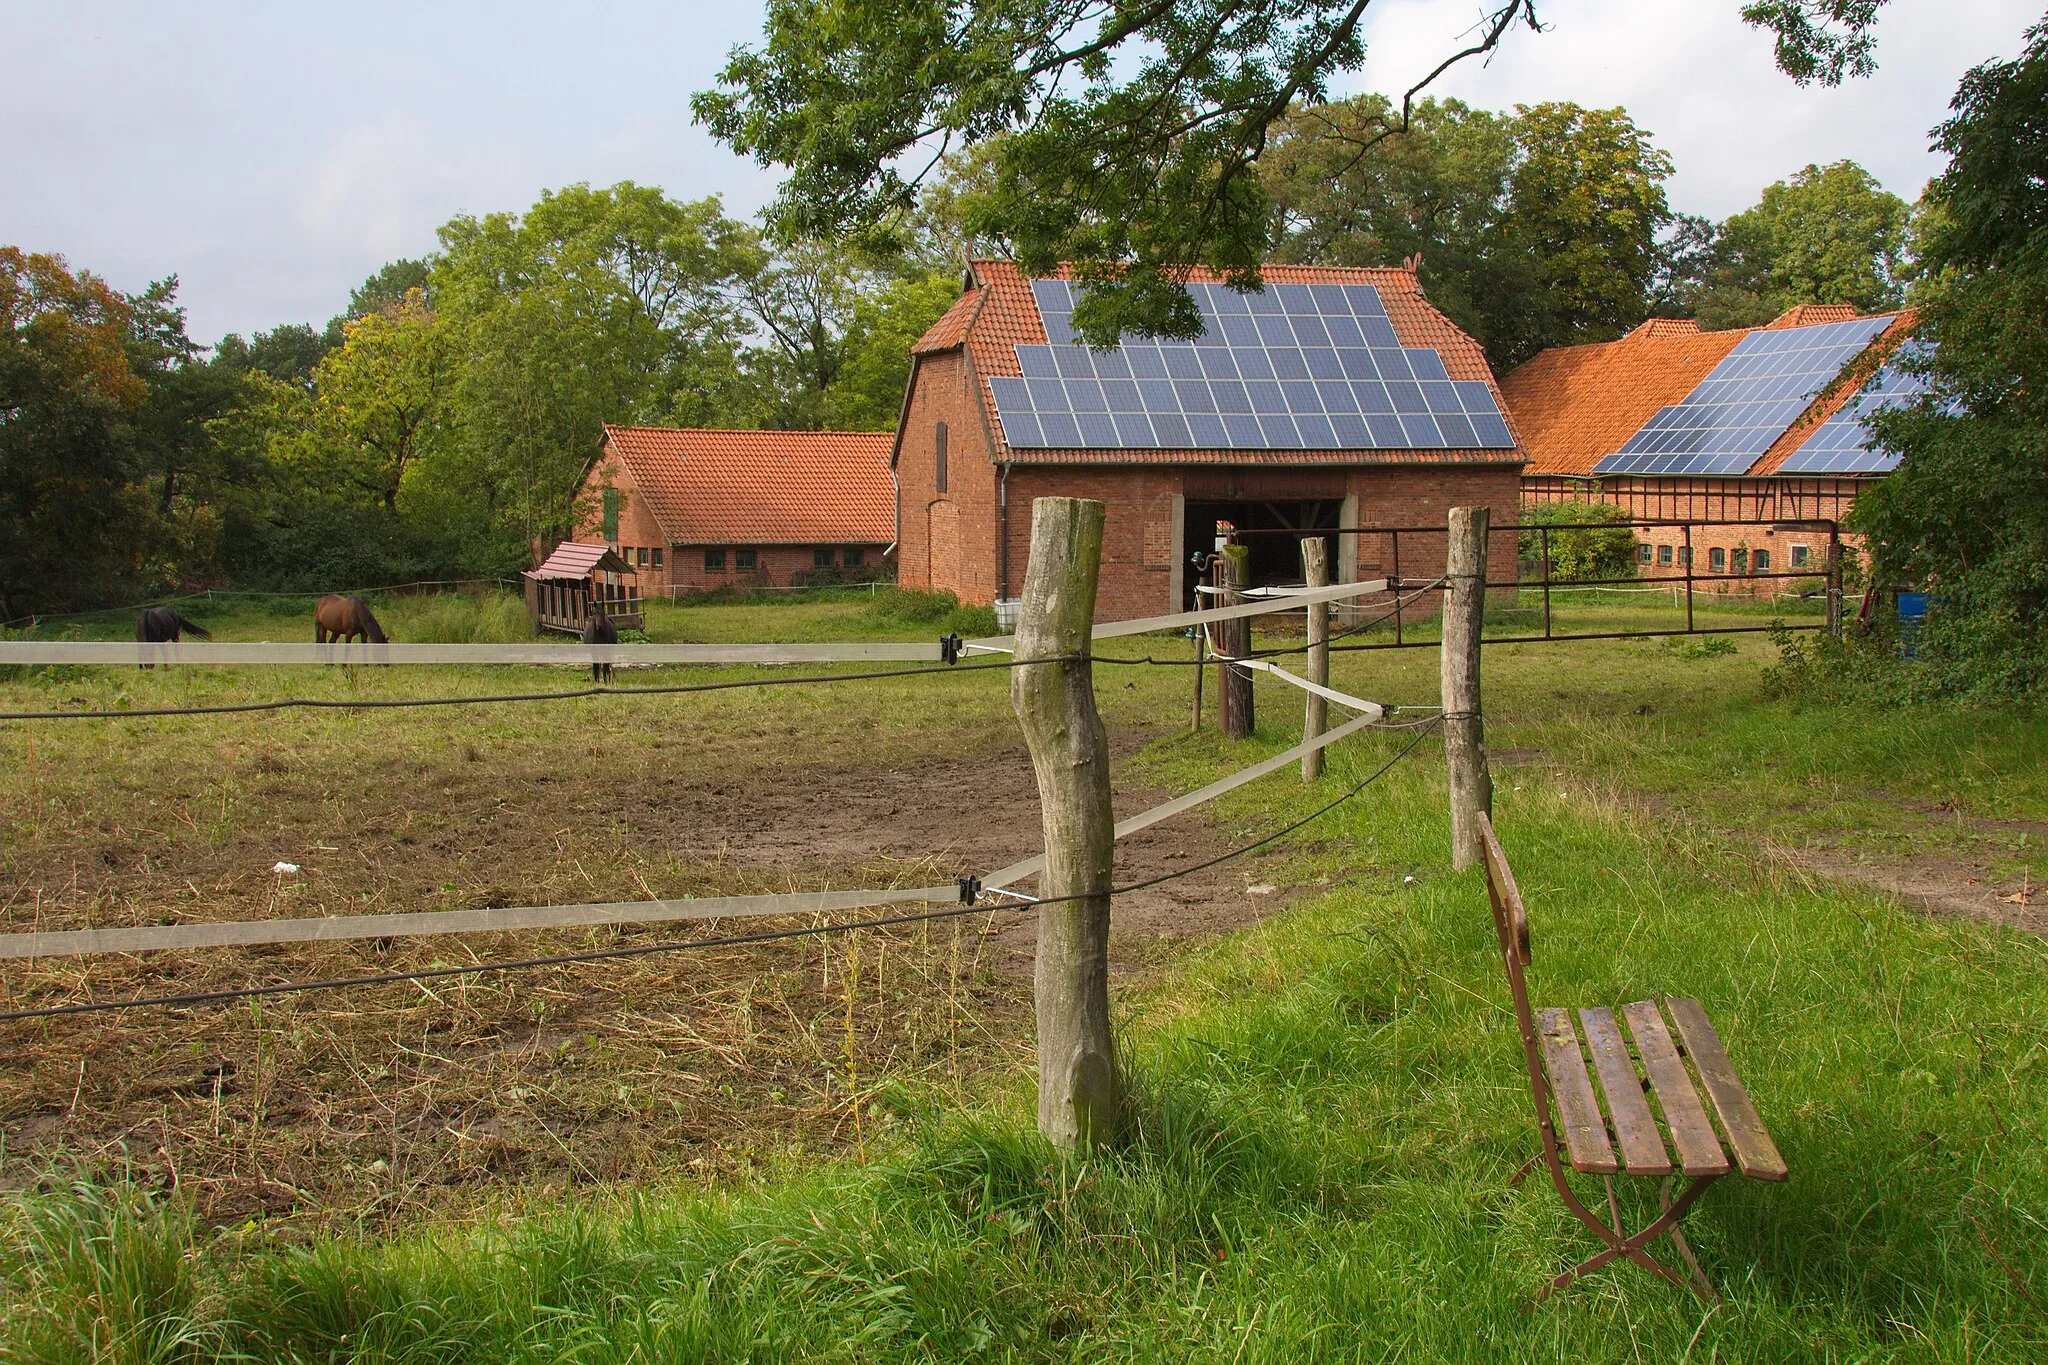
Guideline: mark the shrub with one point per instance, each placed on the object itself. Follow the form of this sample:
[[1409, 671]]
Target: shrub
[[1583, 541]]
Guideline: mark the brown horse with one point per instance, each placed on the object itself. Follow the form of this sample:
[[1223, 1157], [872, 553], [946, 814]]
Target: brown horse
[[161, 625], [599, 630], [343, 619]]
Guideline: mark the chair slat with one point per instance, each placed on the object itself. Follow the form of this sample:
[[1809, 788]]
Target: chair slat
[[1699, 1150], [1585, 1132], [1635, 1127], [1748, 1139]]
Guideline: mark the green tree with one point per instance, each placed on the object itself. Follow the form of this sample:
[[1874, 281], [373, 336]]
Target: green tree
[[1966, 511], [1831, 234], [867, 394], [380, 405], [1123, 137], [1535, 229], [68, 396]]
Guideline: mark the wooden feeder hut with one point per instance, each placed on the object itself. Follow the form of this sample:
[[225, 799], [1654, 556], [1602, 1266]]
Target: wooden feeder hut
[[560, 592]]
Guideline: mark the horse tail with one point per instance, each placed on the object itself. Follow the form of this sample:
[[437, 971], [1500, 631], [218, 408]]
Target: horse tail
[[372, 632], [190, 629]]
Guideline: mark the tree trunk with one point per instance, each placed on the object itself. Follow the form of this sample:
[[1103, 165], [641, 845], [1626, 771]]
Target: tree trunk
[[1471, 786], [1055, 702]]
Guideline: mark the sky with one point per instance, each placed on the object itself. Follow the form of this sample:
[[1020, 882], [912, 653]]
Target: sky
[[273, 156]]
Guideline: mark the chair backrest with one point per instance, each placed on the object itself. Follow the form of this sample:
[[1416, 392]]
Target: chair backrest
[[1510, 923]]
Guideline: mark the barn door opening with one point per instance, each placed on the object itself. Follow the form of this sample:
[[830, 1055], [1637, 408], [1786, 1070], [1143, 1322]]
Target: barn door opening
[[1275, 557]]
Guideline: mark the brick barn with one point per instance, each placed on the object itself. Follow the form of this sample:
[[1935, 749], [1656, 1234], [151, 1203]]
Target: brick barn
[[1748, 424], [1332, 397], [694, 511]]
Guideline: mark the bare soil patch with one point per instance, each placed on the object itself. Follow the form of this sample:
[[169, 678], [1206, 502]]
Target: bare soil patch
[[377, 1103]]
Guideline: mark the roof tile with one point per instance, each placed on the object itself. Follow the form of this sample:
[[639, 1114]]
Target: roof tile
[[762, 487]]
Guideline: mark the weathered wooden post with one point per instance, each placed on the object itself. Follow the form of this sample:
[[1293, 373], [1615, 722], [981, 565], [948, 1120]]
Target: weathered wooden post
[[1055, 701], [1464, 729], [1315, 571], [1234, 638]]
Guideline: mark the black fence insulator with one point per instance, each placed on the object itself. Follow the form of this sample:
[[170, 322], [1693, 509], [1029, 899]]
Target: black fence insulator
[[970, 890], [949, 648]]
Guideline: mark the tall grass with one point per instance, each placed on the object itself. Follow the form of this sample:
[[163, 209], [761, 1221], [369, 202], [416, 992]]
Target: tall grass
[[456, 618]]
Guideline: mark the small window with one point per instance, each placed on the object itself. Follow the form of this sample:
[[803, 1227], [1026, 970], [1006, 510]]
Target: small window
[[714, 561], [656, 552], [1763, 561], [613, 501], [1685, 556], [744, 560], [641, 561], [821, 559], [1643, 553], [1717, 560], [939, 457], [853, 557], [1738, 561], [1798, 556], [1664, 554]]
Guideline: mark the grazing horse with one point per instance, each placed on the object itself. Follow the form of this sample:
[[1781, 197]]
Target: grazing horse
[[338, 618], [161, 625], [599, 630]]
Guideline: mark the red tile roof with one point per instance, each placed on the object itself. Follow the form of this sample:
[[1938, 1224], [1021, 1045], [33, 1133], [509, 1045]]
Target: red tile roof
[[762, 487], [997, 314], [578, 559], [1575, 405]]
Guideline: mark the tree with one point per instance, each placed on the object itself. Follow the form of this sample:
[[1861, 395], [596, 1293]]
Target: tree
[[867, 394], [1966, 511], [1124, 135], [1831, 234], [1535, 229], [68, 396], [380, 400]]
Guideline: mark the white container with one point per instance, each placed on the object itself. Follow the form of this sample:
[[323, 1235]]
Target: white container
[[1007, 609]]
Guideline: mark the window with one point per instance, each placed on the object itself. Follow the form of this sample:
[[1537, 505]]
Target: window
[[613, 501], [714, 561], [1763, 561], [821, 559], [641, 561], [656, 552], [939, 457], [1685, 556], [1717, 560], [1798, 556], [853, 557], [745, 560], [1738, 561], [1643, 553], [1664, 554]]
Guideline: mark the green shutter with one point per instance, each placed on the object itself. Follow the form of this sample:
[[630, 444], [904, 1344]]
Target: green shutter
[[613, 499]]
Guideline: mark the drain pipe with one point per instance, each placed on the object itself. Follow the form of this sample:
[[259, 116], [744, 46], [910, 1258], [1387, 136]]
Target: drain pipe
[[1003, 534]]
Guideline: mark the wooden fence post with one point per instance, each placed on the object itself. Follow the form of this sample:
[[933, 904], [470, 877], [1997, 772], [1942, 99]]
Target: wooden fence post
[[1234, 681], [1315, 571], [1055, 702], [1464, 729]]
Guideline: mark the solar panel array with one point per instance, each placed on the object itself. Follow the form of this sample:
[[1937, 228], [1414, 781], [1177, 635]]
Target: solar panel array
[[1291, 367], [1748, 400], [1836, 446]]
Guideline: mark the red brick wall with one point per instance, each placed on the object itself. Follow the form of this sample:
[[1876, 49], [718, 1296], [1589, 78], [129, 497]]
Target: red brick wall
[[963, 559]]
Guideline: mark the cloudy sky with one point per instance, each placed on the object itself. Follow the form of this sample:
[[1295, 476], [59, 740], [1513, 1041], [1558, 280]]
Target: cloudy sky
[[272, 156]]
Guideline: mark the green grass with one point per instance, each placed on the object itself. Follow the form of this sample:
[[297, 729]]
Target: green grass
[[1325, 1109]]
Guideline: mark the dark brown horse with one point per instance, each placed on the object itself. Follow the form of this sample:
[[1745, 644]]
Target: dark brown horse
[[599, 630], [344, 619], [161, 625]]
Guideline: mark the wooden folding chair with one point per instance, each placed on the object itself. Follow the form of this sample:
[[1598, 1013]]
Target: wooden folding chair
[[1556, 1058]]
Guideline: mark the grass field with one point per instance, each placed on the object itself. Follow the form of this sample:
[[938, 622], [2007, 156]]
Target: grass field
[[1326, 1103]]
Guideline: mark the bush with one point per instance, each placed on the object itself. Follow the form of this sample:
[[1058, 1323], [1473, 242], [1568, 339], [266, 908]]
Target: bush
[[1586, 544], [941, 612]]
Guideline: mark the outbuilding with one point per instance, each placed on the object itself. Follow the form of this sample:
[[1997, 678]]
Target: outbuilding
[[695, 510], [1330, 398], [576, 576]]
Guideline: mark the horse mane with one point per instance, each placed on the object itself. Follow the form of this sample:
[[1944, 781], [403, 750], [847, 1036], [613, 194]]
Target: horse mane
[[371, 628]]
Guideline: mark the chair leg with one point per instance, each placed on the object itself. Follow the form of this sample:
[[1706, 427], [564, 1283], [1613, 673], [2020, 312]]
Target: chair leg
[[1614, 1209], [1526, 1167], [1700, 1282], [1632, 1247]]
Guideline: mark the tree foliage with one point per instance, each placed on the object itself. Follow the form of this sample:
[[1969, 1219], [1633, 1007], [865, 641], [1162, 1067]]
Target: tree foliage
[[1966, 512], [1535, 229]]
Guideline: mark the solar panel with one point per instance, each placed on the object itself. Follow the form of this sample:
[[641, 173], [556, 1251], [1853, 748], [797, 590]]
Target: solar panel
[[1290, 367], [1839, 445], [1745, 403]]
